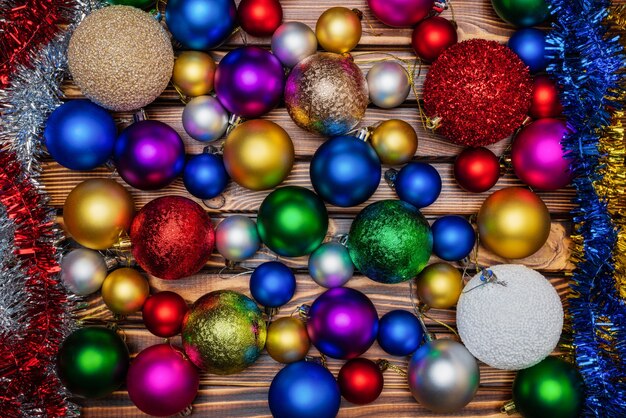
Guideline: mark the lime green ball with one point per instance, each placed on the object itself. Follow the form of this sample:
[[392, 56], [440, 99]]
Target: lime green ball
[[292, 221], [140, 4], [521, 13]]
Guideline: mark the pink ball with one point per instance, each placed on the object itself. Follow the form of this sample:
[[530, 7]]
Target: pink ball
[[538, 157], [400, 13], [161, 381]]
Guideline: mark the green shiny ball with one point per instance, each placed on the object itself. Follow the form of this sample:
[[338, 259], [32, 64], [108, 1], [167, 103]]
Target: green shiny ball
[[92, 362], [390, 241], [140, 4], [292, 221], [521, 13], [552, 388]]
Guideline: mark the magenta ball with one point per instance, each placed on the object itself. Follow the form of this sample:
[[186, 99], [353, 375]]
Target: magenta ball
[[149, 155], [400, 13], [249, 81], [342, 323], [538, 157], [161, 381]]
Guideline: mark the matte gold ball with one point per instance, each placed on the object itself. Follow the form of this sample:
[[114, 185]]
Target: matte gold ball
[[193, 73], [439, 286], [338, 30], [125, 290], [287, 340], [395, 141]]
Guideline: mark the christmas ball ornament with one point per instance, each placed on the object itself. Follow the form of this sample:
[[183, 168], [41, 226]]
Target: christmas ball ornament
[[97, 212], [287, 340], [124, 291], [258, 154], [388, 84], [338, 29], [141, 4], [120, 57], [400, 13], [513, 223], [479, 92], [521, 13], [476, 169], [342, 323], [512, 326], [360, 381], [161, 381], [453, 237], [92, 362], [236, 238], [205, 176], [395, 141], [418, 184], [432, 36], [272, 284], [345, 171], [292, 221], [193, 73], [399, 333], [172, 237], [550, 388], [326, 94], [205, 119], [149, 155], [80, 135], [530, 45], [306, 390], [330, 265], [201, 24], [440, 391], [292, 42], [390, 241], [439, 286], [538, 157], [260, 17], [545, 100], [224, 332], [83, 271], [249, 81], [163, 314]]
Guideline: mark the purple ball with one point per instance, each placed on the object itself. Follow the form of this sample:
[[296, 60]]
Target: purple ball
[[342, 323], [249, 81], [149, 155]]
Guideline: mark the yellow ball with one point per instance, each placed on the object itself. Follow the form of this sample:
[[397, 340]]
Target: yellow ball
[[338, 30], [97, 212], [193, 73], [258, 154], [439, 286], [395, 141], [287, 340], [513, 223], [125, 290]]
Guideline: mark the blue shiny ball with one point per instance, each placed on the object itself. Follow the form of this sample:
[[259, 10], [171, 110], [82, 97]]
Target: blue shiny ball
[[80, 135], [530, 45], [304, 390], [272, 284], [345, 171], [453, 237], [399, 333], [418, 184], [200, 24], [205, 176]]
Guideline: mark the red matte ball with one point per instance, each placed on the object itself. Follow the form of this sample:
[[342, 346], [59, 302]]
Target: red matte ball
[[260, 17], [432, 36], [476, 169], [360, 381], [545, 99], [163, 314]]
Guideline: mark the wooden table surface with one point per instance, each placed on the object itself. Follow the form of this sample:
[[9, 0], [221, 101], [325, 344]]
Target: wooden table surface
[[245, 394]]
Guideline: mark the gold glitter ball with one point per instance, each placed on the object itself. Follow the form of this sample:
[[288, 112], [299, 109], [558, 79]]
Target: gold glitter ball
[[121, 58]]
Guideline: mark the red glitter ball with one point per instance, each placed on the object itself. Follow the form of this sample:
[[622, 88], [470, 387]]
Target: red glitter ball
[[172, 237], [480, 89]]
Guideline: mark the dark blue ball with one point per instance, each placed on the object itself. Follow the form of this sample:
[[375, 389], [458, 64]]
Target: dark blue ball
[[453, 237], [305, 390], [399, 333], [530, 45], [200, 24], [418, 184], [80, 135], [205, 176], [345, 171], [272, 284]]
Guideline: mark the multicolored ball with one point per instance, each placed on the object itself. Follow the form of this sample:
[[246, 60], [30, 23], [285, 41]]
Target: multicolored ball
[[292, 42]]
